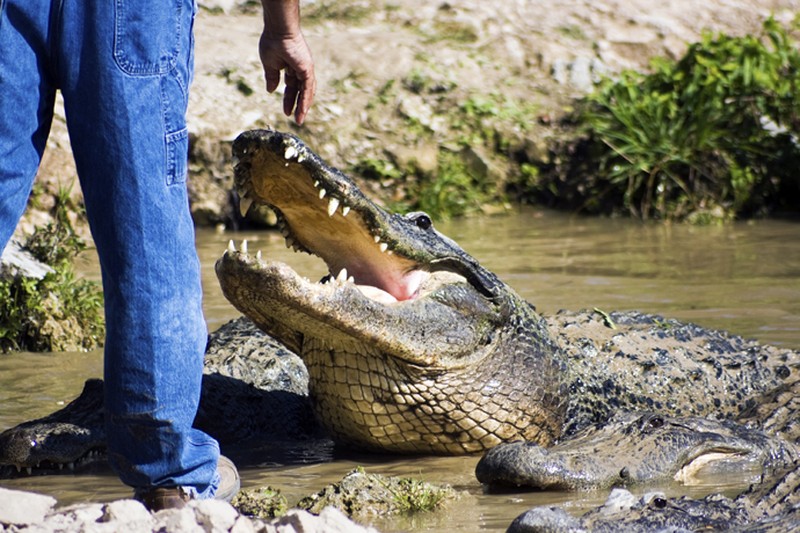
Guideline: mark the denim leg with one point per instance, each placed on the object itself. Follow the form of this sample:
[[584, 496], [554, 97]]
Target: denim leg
[[26, 104], [125, 68]]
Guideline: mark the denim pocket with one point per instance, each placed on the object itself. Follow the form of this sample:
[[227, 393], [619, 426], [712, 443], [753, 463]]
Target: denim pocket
[[147, 35], [177, 156]]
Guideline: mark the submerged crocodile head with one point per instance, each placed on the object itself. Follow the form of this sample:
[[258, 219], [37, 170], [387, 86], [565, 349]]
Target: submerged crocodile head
[[411, 345], [68, 437], [638, 447]]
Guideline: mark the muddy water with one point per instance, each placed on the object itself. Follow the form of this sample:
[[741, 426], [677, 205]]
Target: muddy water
[[743, 277]]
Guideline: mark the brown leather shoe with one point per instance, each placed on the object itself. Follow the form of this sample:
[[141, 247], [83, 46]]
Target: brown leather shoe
[[159, 498]]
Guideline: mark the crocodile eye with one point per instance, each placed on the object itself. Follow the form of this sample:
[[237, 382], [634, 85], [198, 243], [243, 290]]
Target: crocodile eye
[[423, 221], [659, 502], [656, 422]]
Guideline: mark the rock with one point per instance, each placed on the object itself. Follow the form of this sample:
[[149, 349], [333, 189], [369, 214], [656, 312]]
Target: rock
[[35, 513], [545, 520], [131, 513], [620, 500], [423, 157], [265, 503], [330, 520], [178, 520], [214, 515], [581, 73], [243, 525], [482, 165], [415, 109], [23, 508], [15, 261], [79, 517], [363, 494]]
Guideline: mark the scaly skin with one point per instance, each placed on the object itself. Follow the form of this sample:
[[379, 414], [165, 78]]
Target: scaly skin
[[638, 447], [771, 506], [431, 363]]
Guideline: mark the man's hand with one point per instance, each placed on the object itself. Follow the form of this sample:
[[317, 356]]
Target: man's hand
[[283, 47]]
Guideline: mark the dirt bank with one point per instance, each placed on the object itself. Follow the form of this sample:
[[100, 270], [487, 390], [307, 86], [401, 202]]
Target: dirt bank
[[401, 81]]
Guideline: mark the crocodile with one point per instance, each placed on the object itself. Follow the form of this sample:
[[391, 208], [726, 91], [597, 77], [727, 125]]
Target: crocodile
[[770, 504], [411, 345], [253, 397], [635, 447]]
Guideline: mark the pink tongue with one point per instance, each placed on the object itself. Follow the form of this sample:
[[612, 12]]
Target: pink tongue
[[391, 289], [408, 288]]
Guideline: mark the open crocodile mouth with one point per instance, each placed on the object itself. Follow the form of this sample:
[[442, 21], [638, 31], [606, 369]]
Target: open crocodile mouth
[[716, 461], [320, 211]]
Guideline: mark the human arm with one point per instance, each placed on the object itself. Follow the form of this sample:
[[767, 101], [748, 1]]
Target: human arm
[[283, 47]]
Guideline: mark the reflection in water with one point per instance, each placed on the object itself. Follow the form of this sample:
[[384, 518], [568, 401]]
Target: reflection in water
[[742, 277]]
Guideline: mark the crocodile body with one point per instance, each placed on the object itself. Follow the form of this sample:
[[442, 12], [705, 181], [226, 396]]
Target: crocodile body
[[410, 344]]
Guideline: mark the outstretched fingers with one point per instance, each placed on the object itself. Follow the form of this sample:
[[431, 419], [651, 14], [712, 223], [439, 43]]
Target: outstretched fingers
[[298, 96]]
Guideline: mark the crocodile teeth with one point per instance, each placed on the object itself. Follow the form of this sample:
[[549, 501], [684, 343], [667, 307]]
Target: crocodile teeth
[[231, 246], [345, 210], [289, 242], [384, 246], [290, 152], [322, 193], [258, 256], [377, 239], [243, 247], [342, 275], [333, 205], [244, 204]]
